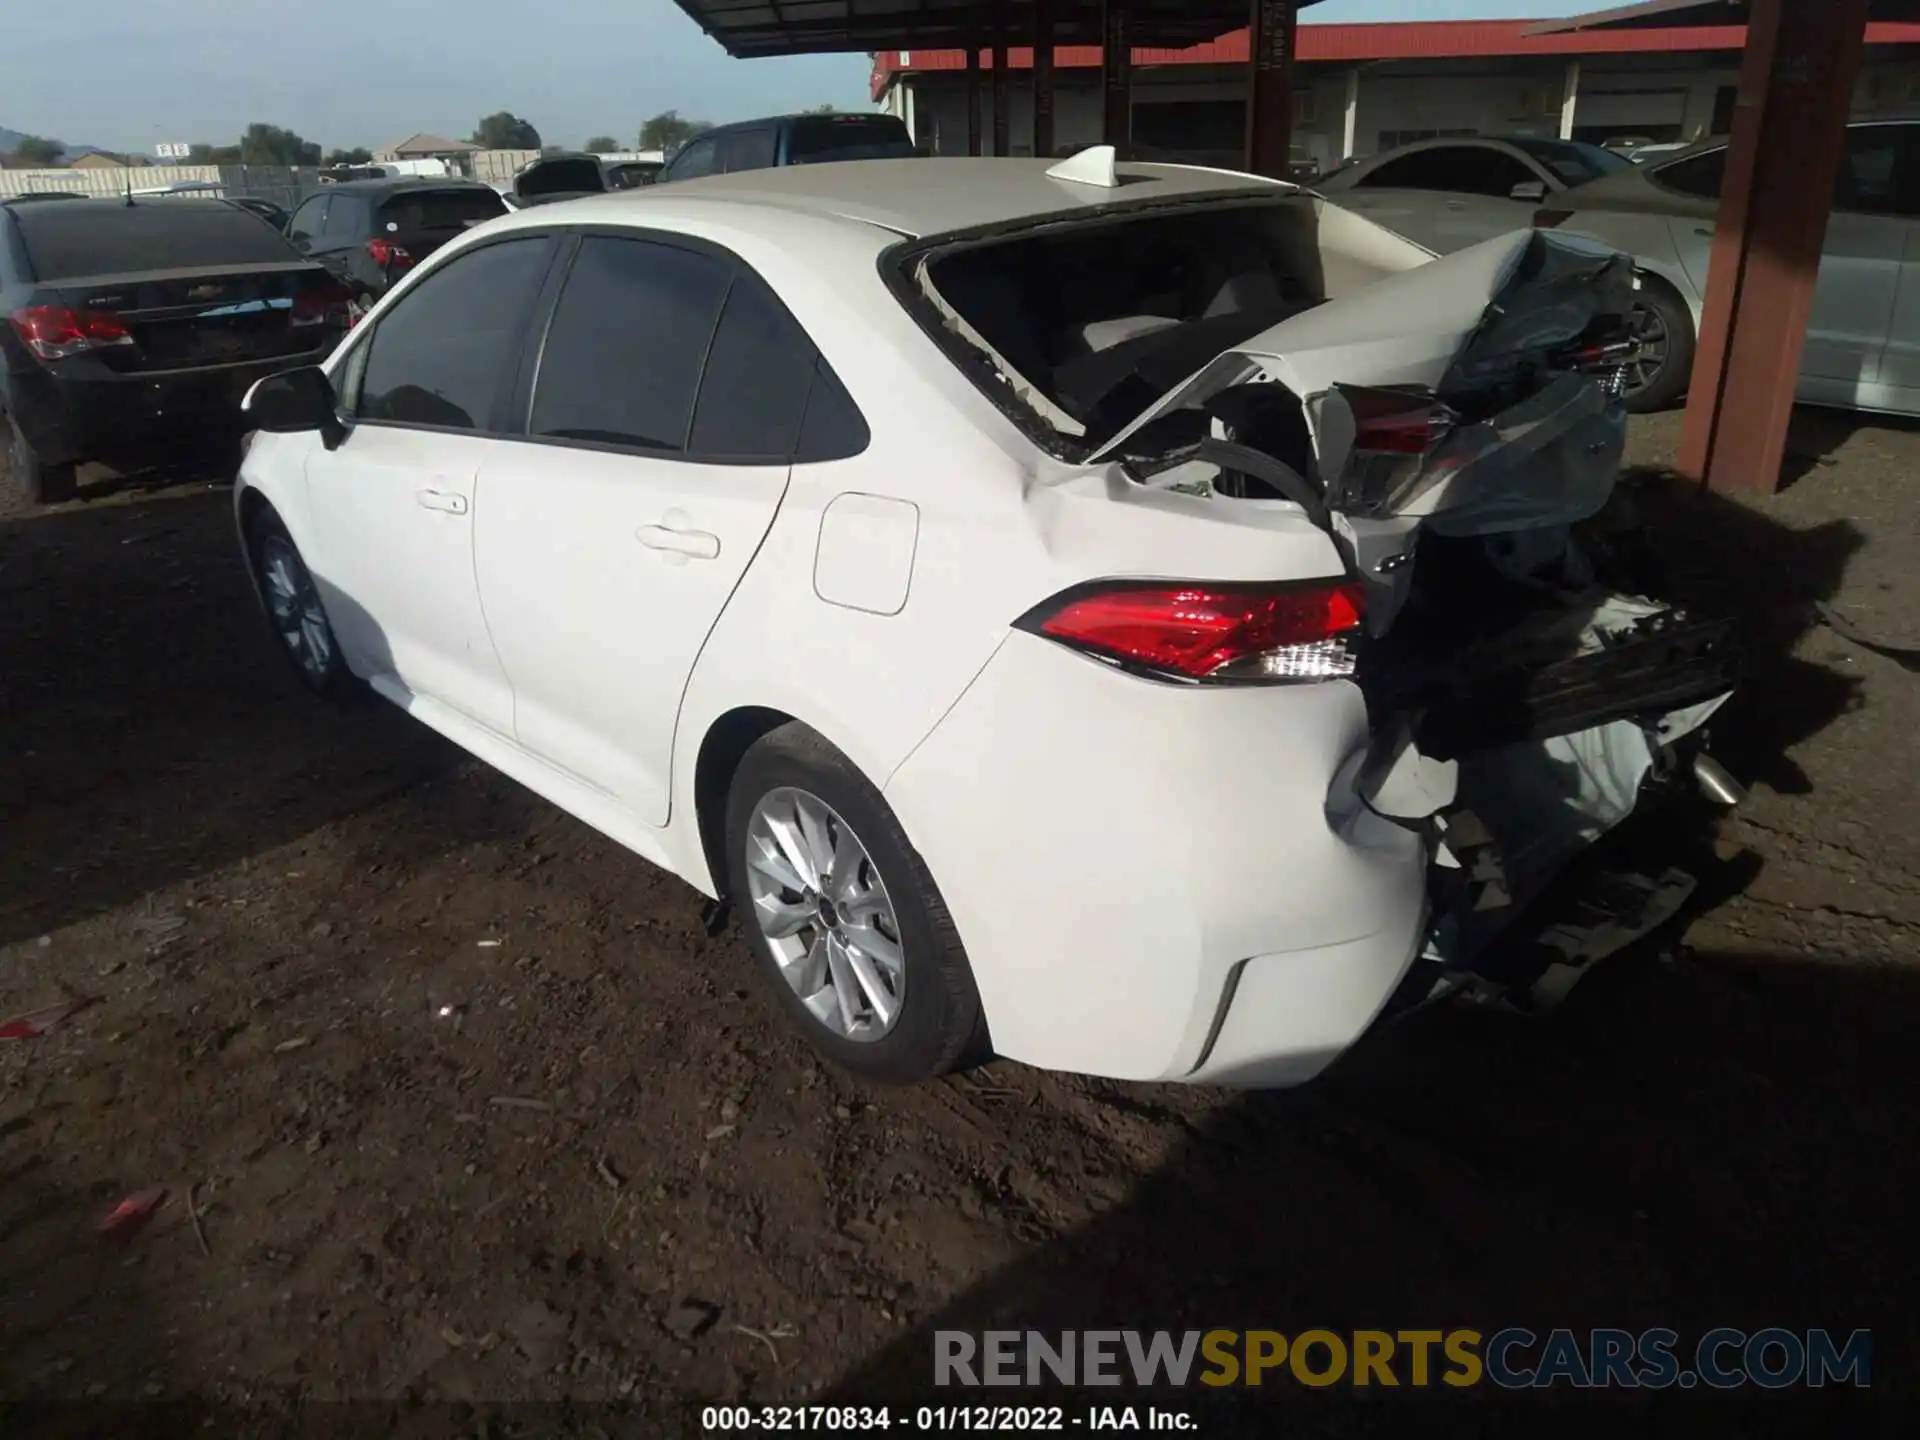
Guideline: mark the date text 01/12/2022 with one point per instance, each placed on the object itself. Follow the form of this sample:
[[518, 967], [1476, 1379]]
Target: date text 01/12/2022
[[976, 1419]]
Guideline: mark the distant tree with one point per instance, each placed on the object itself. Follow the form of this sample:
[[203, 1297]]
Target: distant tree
[[358, 155], [602, 145], [269, 145], [204, 154], [669, 131], [38, 150], [827, 109], [503, 130]]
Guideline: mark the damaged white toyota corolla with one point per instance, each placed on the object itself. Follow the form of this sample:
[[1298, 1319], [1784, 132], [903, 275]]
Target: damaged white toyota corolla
[[1122, 618]]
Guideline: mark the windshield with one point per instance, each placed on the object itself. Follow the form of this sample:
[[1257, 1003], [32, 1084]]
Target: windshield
[[847, 137], [1574, 162], [417, 211], [103, 237]]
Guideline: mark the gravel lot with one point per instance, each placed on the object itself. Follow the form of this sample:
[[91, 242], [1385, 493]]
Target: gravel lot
[[454, 1100]]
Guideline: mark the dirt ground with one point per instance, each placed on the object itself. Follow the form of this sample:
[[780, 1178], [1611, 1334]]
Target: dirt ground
[[454, 1100]]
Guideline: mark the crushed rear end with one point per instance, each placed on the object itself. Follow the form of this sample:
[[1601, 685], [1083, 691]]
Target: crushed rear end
[[1456, 430]]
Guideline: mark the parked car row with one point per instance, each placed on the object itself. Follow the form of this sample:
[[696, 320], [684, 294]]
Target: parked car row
[[1127, 618]]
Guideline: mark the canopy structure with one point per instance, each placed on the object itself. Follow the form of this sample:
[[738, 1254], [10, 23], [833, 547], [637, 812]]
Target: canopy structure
[[748, 28], [987, 29], [1654, 14]]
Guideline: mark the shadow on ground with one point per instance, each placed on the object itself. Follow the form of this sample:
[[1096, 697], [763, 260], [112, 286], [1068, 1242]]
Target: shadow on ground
[[150, 733], [1726, 1142]]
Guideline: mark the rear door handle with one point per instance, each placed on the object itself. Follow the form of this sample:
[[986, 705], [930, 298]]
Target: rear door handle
[[693, 544], [442, 500]]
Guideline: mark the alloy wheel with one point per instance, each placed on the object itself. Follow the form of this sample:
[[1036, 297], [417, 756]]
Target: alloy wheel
[[1653, 344], [294, 604], [825, 914]]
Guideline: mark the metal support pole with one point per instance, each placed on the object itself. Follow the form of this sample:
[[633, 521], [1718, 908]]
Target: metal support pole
[[1002, 95], [1569, 99], [1273, 25], [1789, 134], [1116, 74], [1043, 77], [1350, 127], [973, 91]]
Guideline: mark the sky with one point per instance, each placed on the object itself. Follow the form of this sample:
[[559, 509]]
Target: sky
[[130, 74]]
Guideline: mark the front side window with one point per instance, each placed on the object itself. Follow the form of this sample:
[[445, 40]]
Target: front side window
[[629, 338], [1700, 176], [1448, 167], [695, 160], [442, 356]]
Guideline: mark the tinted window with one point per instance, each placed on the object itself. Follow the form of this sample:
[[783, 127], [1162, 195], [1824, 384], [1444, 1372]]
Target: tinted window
[[747, 150], [1461, 169], [1700, 176], [440, 357], [1571, 161], [97, 238], [834, 428], [846, 137], [346, 217], [425, 211], [695, 160], [754, 393], [1876, 171], [308, 218], [623, 356]]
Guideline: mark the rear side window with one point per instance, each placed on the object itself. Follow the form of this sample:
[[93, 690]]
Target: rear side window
[[425, 211], [759, 372], [623, 356], [440, 357], [1700, 176], [102, 238], [748, 150]]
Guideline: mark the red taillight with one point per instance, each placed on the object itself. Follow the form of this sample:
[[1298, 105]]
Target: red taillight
[[1395, 422], [1211, 632], [53, 332], [317, 307], [1551, 219], [387, 255]]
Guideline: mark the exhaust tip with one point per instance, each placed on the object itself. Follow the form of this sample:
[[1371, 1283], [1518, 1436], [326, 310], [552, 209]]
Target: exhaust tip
[[1716, 783]]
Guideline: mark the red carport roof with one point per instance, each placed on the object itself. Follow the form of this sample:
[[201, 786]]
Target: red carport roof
[[1415, 40]]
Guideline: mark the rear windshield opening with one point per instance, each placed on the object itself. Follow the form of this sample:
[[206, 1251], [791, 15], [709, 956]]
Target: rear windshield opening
[[1092, 323], [426, 211], [109, 237]]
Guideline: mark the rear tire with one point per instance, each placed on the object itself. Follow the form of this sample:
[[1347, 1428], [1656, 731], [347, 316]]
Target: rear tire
[[1660, 315], [41, 482], [298, 620], [851, 935]]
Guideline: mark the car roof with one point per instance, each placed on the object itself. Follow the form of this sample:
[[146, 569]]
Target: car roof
[[919, 197], [798, 115]]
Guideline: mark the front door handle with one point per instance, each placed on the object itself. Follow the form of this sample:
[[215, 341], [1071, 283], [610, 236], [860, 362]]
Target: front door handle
[[693, 544], [442, 500]]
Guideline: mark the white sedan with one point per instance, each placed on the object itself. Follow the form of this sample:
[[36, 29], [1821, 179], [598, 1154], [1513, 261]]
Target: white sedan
[[1450, 193], [1863, 332], [999, 584]]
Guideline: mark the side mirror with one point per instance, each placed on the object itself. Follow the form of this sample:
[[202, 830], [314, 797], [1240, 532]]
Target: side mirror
[[1530, 192], [293, 402]]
